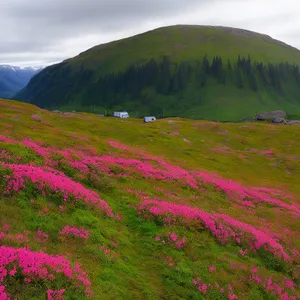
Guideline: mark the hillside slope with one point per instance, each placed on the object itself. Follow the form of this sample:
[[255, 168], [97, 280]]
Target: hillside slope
[[13, 79], [190, 71], [177, 209]]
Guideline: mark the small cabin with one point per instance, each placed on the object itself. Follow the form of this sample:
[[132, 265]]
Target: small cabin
[[149, 119], [121, 114]]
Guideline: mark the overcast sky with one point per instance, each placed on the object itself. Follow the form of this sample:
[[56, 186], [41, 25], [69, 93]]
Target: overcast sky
[[41, 32]]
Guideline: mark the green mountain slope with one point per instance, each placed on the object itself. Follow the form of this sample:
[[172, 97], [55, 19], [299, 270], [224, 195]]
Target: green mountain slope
[[191, 71], [176, 209]]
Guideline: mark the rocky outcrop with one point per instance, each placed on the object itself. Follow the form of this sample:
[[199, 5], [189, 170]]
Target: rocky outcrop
[[279, 121], [292, 122], [277, 116]]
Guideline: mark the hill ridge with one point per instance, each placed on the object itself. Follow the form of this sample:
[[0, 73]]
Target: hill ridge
[[228, 29]]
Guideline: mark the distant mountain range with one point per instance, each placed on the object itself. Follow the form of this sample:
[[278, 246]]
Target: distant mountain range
[[13, 79], [200, 72]]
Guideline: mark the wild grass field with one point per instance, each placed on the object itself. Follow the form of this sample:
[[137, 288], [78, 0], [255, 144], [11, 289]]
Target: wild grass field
[[104, 208]]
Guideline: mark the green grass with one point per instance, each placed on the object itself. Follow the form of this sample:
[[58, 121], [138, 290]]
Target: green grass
[[141, 270], [184, 43]]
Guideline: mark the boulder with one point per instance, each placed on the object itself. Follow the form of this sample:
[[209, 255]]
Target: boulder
[[292, 122], [279, 120], [270, 116], [36, 117]]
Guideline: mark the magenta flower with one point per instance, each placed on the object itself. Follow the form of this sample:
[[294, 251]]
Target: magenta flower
[[41, 237], [38, 265], [73, 231], [55, 295], [246, 195], [212, 268], [222, 226], [56, 181]]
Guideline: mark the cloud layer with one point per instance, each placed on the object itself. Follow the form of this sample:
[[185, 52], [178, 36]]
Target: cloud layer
[[40, 32]]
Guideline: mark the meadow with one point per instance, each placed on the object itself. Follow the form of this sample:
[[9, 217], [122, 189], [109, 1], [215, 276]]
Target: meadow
[[103, 208]]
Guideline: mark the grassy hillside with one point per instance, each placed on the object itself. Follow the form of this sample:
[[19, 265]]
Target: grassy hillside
[[177, 209], [184, 42], [132, 74]]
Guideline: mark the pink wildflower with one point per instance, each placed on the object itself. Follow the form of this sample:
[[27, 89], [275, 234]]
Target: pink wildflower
[[55, 295], [222, 231], [13, 271], [173, 236], [41, 237], [34, 265], [212, 268], [243, 253], [73, 231], [3, 295], [203, 288], [289, 284], [56, 181]]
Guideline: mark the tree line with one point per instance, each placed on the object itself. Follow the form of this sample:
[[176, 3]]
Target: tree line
[[169, 78]]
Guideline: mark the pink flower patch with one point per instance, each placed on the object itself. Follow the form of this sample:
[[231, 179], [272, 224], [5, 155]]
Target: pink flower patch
[[212, 268], [41, 237], [75, 232], [243, 253], [38, 265], [56, 181], [108, 252], [246, 195], [172, 239], [55, 295], [222, 226]]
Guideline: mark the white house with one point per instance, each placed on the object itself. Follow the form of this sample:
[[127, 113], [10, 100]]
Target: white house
[[149, 119], [121, 114]]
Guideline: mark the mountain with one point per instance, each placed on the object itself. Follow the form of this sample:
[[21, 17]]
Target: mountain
[[189, 71], [104, 208], [13, 79]]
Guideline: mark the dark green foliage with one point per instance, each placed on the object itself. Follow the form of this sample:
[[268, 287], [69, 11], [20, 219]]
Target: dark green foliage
[[164, 77], [173, 79], [270, 261], [167, 88]]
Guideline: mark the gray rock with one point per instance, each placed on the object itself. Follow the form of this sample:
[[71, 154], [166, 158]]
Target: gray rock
[[279, 120], [270, 116], [292, 122], [36, 117]]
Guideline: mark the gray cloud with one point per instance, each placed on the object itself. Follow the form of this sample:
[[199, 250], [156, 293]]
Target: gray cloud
[[46, 31]]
